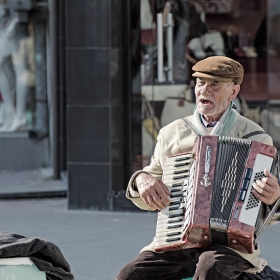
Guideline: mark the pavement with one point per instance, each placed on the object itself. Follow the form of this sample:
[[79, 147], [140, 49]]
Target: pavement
[[37, 183], [97, 244]]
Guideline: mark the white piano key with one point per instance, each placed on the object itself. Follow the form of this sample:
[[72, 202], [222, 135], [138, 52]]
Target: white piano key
[[171, 169], [178, 194], [167, 227], [175, 199], [172, 209], [167, 214], [174, 177], [178, 159]]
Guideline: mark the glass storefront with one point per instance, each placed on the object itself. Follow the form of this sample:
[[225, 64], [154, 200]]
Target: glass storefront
[[169, 37], [23, 85], [17, 72]]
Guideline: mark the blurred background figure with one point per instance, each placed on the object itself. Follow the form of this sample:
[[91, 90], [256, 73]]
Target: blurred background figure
[[17, 67]]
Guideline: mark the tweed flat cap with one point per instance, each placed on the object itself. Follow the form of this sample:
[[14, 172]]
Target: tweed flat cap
[[220, 68]]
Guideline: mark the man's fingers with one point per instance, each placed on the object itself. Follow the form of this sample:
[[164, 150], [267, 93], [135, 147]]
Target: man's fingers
[[153, 192], [165, 189], [152, 203], [259, 187], [259, 196], [270, 175], [267, 189], [153, 200], [163, 198], [149, 202], [163, 192]]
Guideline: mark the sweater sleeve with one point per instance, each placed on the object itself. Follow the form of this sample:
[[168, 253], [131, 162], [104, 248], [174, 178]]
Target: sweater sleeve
[[153, 169]]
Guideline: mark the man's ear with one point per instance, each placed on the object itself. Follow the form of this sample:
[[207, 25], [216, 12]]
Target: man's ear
[[235, 90]]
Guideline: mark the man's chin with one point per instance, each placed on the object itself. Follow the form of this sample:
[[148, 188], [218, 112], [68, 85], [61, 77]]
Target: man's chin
[[204, 111]]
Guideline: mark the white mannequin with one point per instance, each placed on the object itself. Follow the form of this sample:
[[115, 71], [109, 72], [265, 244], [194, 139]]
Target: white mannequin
[[18, 76]]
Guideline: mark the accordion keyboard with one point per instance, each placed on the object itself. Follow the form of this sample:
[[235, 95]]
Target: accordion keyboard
[[171, 220]]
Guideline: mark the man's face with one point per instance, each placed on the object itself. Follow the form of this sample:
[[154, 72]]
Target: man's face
[[213, 97]]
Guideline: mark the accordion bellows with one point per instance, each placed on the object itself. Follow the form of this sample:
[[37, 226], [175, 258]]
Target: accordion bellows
[[211, 194]]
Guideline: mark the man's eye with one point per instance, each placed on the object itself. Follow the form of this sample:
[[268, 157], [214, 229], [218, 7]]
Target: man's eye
[[216, 86]]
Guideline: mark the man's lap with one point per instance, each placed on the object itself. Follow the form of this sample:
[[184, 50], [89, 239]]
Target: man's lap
[[217, 261]]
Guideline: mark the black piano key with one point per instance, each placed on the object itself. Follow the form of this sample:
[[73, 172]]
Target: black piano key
[[176, 195], [182, 158], [174, 207], [175, 215], [180, 171], [175, 202], [180, 177], [172, 239], [176, 185], [175, 190], [173, 233], [175, 226], [175, 221], [181, 164]]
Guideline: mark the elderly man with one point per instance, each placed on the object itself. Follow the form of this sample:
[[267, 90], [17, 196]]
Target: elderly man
[[218, 82]]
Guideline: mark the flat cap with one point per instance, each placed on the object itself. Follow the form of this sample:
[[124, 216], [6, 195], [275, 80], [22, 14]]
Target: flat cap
[[220, 68]]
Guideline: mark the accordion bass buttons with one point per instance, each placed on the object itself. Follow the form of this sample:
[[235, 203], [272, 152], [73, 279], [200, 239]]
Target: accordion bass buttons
[[245, 184]]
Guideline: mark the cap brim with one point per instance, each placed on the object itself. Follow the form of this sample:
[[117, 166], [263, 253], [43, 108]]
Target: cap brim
[[209, 76]]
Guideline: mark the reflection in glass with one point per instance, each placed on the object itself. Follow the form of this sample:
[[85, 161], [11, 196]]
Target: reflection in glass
[[17, 68], [246, 31]]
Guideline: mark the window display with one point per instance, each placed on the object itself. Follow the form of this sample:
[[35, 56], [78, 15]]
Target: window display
[[169, 37], [17, 73]]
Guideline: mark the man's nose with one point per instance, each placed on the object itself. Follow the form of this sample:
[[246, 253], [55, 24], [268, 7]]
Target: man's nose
[[204, 88]]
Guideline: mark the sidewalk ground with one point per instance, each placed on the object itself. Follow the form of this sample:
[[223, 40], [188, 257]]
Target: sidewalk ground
[[95, 243], [30, 184]]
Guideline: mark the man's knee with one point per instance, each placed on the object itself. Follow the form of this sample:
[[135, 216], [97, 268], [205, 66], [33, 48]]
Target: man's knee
[[207, 260]]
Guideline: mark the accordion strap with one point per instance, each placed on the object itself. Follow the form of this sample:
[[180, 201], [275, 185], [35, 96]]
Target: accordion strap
[[191, 126], [246, 136]]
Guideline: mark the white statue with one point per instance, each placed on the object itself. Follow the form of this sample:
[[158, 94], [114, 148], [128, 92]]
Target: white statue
[[16, 74]]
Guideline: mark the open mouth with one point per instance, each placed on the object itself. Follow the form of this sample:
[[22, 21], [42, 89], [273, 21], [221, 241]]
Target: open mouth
[[206, 102]]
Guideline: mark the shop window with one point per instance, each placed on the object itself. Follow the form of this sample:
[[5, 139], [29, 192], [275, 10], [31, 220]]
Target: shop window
[[168, 37]]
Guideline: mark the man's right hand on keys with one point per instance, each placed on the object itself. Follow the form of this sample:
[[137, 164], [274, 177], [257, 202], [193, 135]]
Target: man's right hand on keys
[[153, 191]]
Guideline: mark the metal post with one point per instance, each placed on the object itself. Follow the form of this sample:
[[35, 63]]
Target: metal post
[[160, 75], [170, 46], [40, 129], [54, 87]]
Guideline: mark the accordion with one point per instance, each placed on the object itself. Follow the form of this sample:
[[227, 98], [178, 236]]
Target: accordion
[[211, 198]]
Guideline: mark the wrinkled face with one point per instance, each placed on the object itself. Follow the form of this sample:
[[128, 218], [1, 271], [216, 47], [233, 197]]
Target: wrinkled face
[[213, 97]]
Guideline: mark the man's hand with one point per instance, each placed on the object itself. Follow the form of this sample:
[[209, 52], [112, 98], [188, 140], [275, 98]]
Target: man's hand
[[152, 191], [267, 189]]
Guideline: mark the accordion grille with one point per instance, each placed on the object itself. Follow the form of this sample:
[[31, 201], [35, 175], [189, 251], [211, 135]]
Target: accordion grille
[[231, 159]]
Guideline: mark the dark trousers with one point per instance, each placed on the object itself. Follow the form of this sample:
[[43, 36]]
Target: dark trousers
[[216, 262]]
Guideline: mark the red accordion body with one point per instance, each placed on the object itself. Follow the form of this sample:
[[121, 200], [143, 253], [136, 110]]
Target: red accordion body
[[216, 205]]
